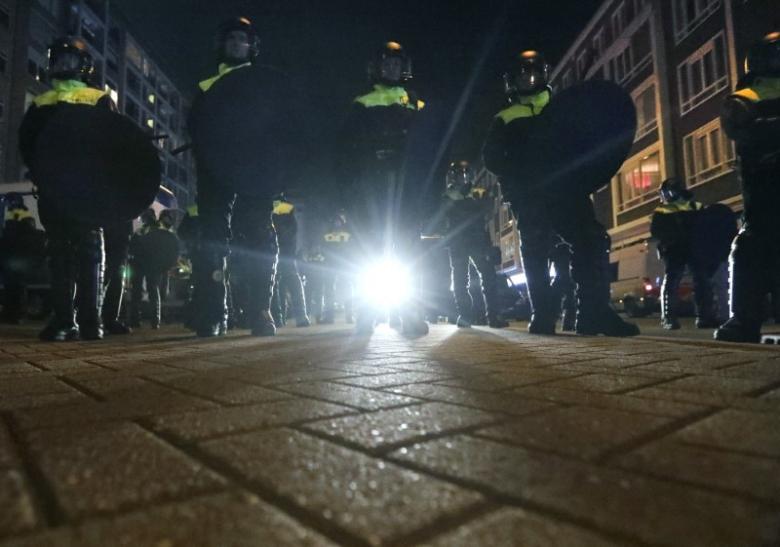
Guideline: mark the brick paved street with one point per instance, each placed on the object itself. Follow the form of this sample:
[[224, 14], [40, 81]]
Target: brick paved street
[[318, 437]]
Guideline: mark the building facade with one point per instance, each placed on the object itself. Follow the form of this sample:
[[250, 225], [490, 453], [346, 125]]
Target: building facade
[[130, 74], [678, 59]]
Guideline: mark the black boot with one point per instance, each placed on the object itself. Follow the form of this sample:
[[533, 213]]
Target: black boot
[[669, 305], [590, 269], [211, 294], [748, 285], [537, 272], [89, 293], [62, 326]]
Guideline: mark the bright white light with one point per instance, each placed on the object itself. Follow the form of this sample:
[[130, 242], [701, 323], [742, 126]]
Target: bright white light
[[385, 283], [648, 287], [518, 279]]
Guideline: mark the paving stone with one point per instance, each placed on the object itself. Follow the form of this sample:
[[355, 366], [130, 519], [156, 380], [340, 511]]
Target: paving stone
[[576, 431], [288, 377], [62, 366], [114, 466], [651, 510], [506, 403], [517, 527], [604, 383], [20, 386], [395, 379], [360, 398], [503, 381], [715, 384], [373, 500], [14, 368], [705, 398], [18, 512], [658, 407], [224, 421], [739, 474], [224, 390], [387, 428], [37, 401], [736, 430], [227, 520]]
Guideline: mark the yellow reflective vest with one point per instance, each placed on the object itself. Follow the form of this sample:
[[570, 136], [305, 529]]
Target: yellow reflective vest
[[69, 91]]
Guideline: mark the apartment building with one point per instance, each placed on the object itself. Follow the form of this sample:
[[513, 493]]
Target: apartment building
[[678, 59], [123, 67]]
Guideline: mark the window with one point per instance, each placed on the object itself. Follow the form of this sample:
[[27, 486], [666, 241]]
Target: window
[[132, 110], [639, 181], [708, 153], [644, 99], [598, 43], [582, 65], [566, 81], [703, 74], [619, 21], [689, 14], [92, 31], [133, 83], [111, 88], [634, 57]]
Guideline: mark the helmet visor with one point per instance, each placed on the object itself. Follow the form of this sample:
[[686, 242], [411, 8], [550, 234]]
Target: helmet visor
[[64, 63], [237, 46], [528, 80]]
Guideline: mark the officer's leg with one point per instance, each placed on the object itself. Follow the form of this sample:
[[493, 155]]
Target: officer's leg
[[61, 250], [215, 207], [674, 270], [329, 296], [136, 293], [261, 255], [535, 236], [563, 288], [117, 241], [703, 297], [89, 291], [291, 280], [412, 311], [459, 266], [154, 283], [486, 267], [590, 270], [749, 266]]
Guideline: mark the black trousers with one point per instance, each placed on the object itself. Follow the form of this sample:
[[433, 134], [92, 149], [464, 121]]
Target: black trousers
[[76, 260], [675, 266], [221, 215], [463, 253], [541, 220], [117, 243]]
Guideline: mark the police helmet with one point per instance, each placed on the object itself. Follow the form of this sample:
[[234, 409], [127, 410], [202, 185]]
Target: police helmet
[[460, 177], [763, 58], [390, 66], [69, 59], [673, 189], [168, 218], [237, 24], [148, 217], [528, 74]]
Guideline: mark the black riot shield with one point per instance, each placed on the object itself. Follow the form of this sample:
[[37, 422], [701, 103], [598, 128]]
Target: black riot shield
[[157, 251], [714, 231], [248, 132], [580, 140], [94, 165]]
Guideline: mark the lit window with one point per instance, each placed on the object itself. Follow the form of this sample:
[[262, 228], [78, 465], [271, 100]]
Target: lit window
[[151, 98], [150, 123], [644, 99], [639, 180], [708, 153]]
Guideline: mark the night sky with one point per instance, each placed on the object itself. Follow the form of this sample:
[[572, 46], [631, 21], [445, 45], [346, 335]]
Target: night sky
[[328, 43]]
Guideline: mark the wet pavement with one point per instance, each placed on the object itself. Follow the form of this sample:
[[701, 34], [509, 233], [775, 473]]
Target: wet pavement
[[320, 437]]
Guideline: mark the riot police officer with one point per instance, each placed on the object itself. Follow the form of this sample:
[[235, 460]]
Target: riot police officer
[[139, 268], [237, 49], [337, 252], [465, 209], [751, 117], [382, 213], [288, 279], [542, 213], [75, 248], [673, 223]]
